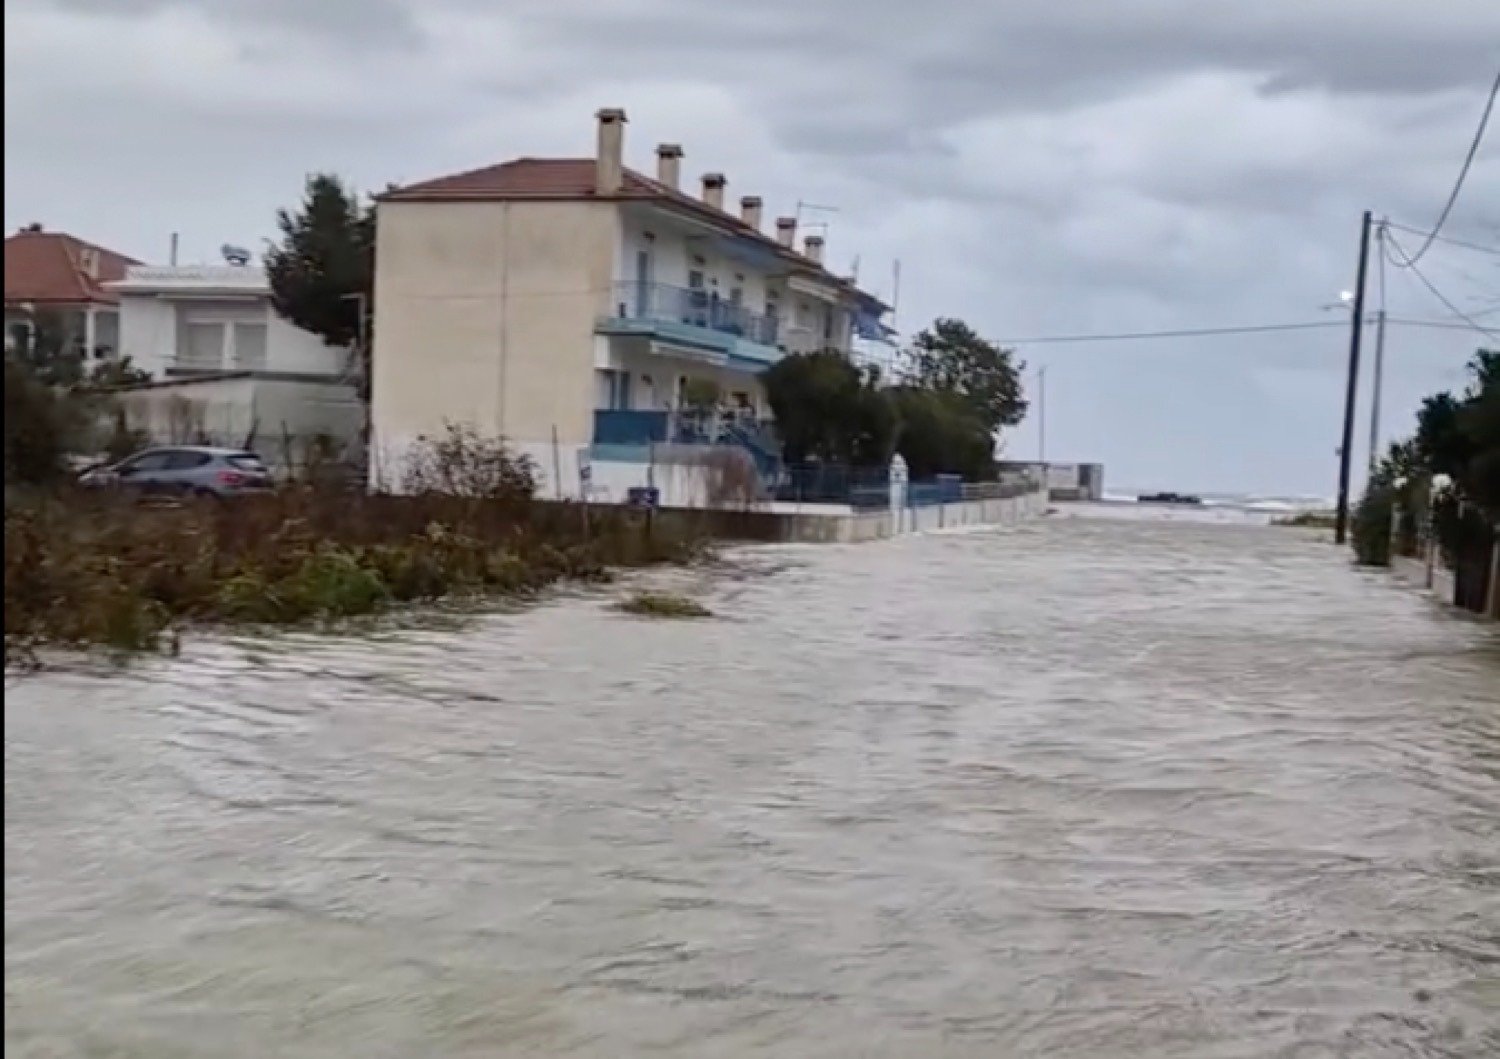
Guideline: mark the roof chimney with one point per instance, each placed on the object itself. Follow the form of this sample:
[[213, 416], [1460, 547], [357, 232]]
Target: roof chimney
[[713, 189], [786, 231], [609, 162], [750, 211], [812, 248], [669, 164]]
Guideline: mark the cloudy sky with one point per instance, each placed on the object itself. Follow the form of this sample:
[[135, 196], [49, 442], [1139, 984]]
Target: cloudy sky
[[1039, 167]]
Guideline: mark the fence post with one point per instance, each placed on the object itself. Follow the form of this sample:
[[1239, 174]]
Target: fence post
[[896, 480]]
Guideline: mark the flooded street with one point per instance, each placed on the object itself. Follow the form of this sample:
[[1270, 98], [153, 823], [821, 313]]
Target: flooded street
[[1079, 788]]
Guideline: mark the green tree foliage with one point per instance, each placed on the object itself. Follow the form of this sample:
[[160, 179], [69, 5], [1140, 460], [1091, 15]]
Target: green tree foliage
[[1458, 436], [49, 349], [951, 358], [941, 433], [829, 409], [322, 271], [40, 423], [960, 390]]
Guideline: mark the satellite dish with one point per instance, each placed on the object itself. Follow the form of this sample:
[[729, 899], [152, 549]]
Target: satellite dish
[[235, 255]]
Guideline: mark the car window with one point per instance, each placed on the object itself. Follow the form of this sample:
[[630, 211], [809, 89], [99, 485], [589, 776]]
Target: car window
[[246, 461], [146, 461], [183, 460]]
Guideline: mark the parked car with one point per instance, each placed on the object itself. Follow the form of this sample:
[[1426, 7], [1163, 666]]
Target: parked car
[[185, 470]]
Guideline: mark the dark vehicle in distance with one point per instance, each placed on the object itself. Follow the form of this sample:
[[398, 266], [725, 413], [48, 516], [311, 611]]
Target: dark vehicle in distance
[[185, 470], [1169, 498]]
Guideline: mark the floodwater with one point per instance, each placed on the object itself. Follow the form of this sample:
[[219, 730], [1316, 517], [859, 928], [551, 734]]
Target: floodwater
[[1079, 788]]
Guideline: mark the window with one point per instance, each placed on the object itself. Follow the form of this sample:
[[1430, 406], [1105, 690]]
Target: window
[[249, 345], [185, 460], [201, 345], [146, 461]]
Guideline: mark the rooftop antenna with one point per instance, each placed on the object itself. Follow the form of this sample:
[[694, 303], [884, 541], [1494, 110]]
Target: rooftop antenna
[[815, 208]]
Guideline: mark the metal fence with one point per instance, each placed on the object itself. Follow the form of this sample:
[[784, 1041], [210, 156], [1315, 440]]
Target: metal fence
[[694, 306], [866, 488]]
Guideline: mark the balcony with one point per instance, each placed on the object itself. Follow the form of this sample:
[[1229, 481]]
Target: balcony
[[619, 433], [695, 317]]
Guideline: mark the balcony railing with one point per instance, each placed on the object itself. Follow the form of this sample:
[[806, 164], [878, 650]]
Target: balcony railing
[[694, 306]]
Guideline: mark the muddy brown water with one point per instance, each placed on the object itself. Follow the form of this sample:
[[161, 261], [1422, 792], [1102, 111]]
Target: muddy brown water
[[1079, 788]]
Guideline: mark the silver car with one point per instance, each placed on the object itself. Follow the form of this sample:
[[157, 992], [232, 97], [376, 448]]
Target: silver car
[[185, 470]]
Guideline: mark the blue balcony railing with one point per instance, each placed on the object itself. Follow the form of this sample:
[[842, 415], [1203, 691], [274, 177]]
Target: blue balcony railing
[[693, 306], [621, 427]]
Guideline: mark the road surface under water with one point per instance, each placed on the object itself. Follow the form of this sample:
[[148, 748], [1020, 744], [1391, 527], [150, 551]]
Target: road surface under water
[[1079, 788]]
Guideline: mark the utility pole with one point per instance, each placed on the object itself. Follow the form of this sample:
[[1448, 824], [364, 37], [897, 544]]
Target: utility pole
[[1379, 350], [1351, 389]]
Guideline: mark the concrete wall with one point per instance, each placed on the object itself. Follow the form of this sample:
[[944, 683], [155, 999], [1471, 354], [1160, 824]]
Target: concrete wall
[[279, 419], [809, 528], [485, 315], [686, 476]]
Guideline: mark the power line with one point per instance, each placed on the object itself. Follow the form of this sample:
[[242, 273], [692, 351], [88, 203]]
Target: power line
[[1411, 264], [1191, 333], [1441, 325], [1463, 174], [1424, 233]]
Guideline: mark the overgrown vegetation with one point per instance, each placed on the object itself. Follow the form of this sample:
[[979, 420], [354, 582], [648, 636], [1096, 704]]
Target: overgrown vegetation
[[94, 568], [663, 605]]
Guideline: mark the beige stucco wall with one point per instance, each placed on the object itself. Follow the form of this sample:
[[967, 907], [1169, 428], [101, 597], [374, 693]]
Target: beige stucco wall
[[485, 315]]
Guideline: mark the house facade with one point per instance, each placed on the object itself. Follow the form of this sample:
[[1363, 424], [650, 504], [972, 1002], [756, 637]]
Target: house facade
[[53, 279], [226, 368], [590, 314]]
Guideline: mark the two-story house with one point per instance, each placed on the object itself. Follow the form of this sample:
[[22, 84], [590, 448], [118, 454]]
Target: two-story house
[[577, 307], [226, 368]]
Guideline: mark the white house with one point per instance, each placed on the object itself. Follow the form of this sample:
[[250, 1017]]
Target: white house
[[576, 307], [226, 368]]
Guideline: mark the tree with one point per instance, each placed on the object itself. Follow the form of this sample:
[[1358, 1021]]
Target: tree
[[940, 433], [322, 272], [1458, 436], [950, 357], [42, 424], [46, 347], [829, 409]]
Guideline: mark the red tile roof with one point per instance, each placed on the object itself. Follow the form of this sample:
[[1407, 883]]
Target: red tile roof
[[573, 178], [54, 268]]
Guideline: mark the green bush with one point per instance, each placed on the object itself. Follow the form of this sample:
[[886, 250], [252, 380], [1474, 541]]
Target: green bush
[[1371, 529]]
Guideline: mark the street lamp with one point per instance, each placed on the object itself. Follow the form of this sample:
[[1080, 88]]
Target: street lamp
[[1346, 304]]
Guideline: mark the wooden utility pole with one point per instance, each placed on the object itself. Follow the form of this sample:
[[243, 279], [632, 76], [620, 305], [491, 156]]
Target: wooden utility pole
[[1351, 390]]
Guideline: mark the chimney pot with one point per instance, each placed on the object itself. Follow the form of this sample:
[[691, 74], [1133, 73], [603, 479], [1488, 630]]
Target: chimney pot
[[812, 248], [750, 211], [609, 160], [713, 189], [669, 164], [786, 231]]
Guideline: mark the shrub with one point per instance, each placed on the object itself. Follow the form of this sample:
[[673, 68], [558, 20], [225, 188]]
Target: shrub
[[1371, 535], [664, 605], [464, 464]]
